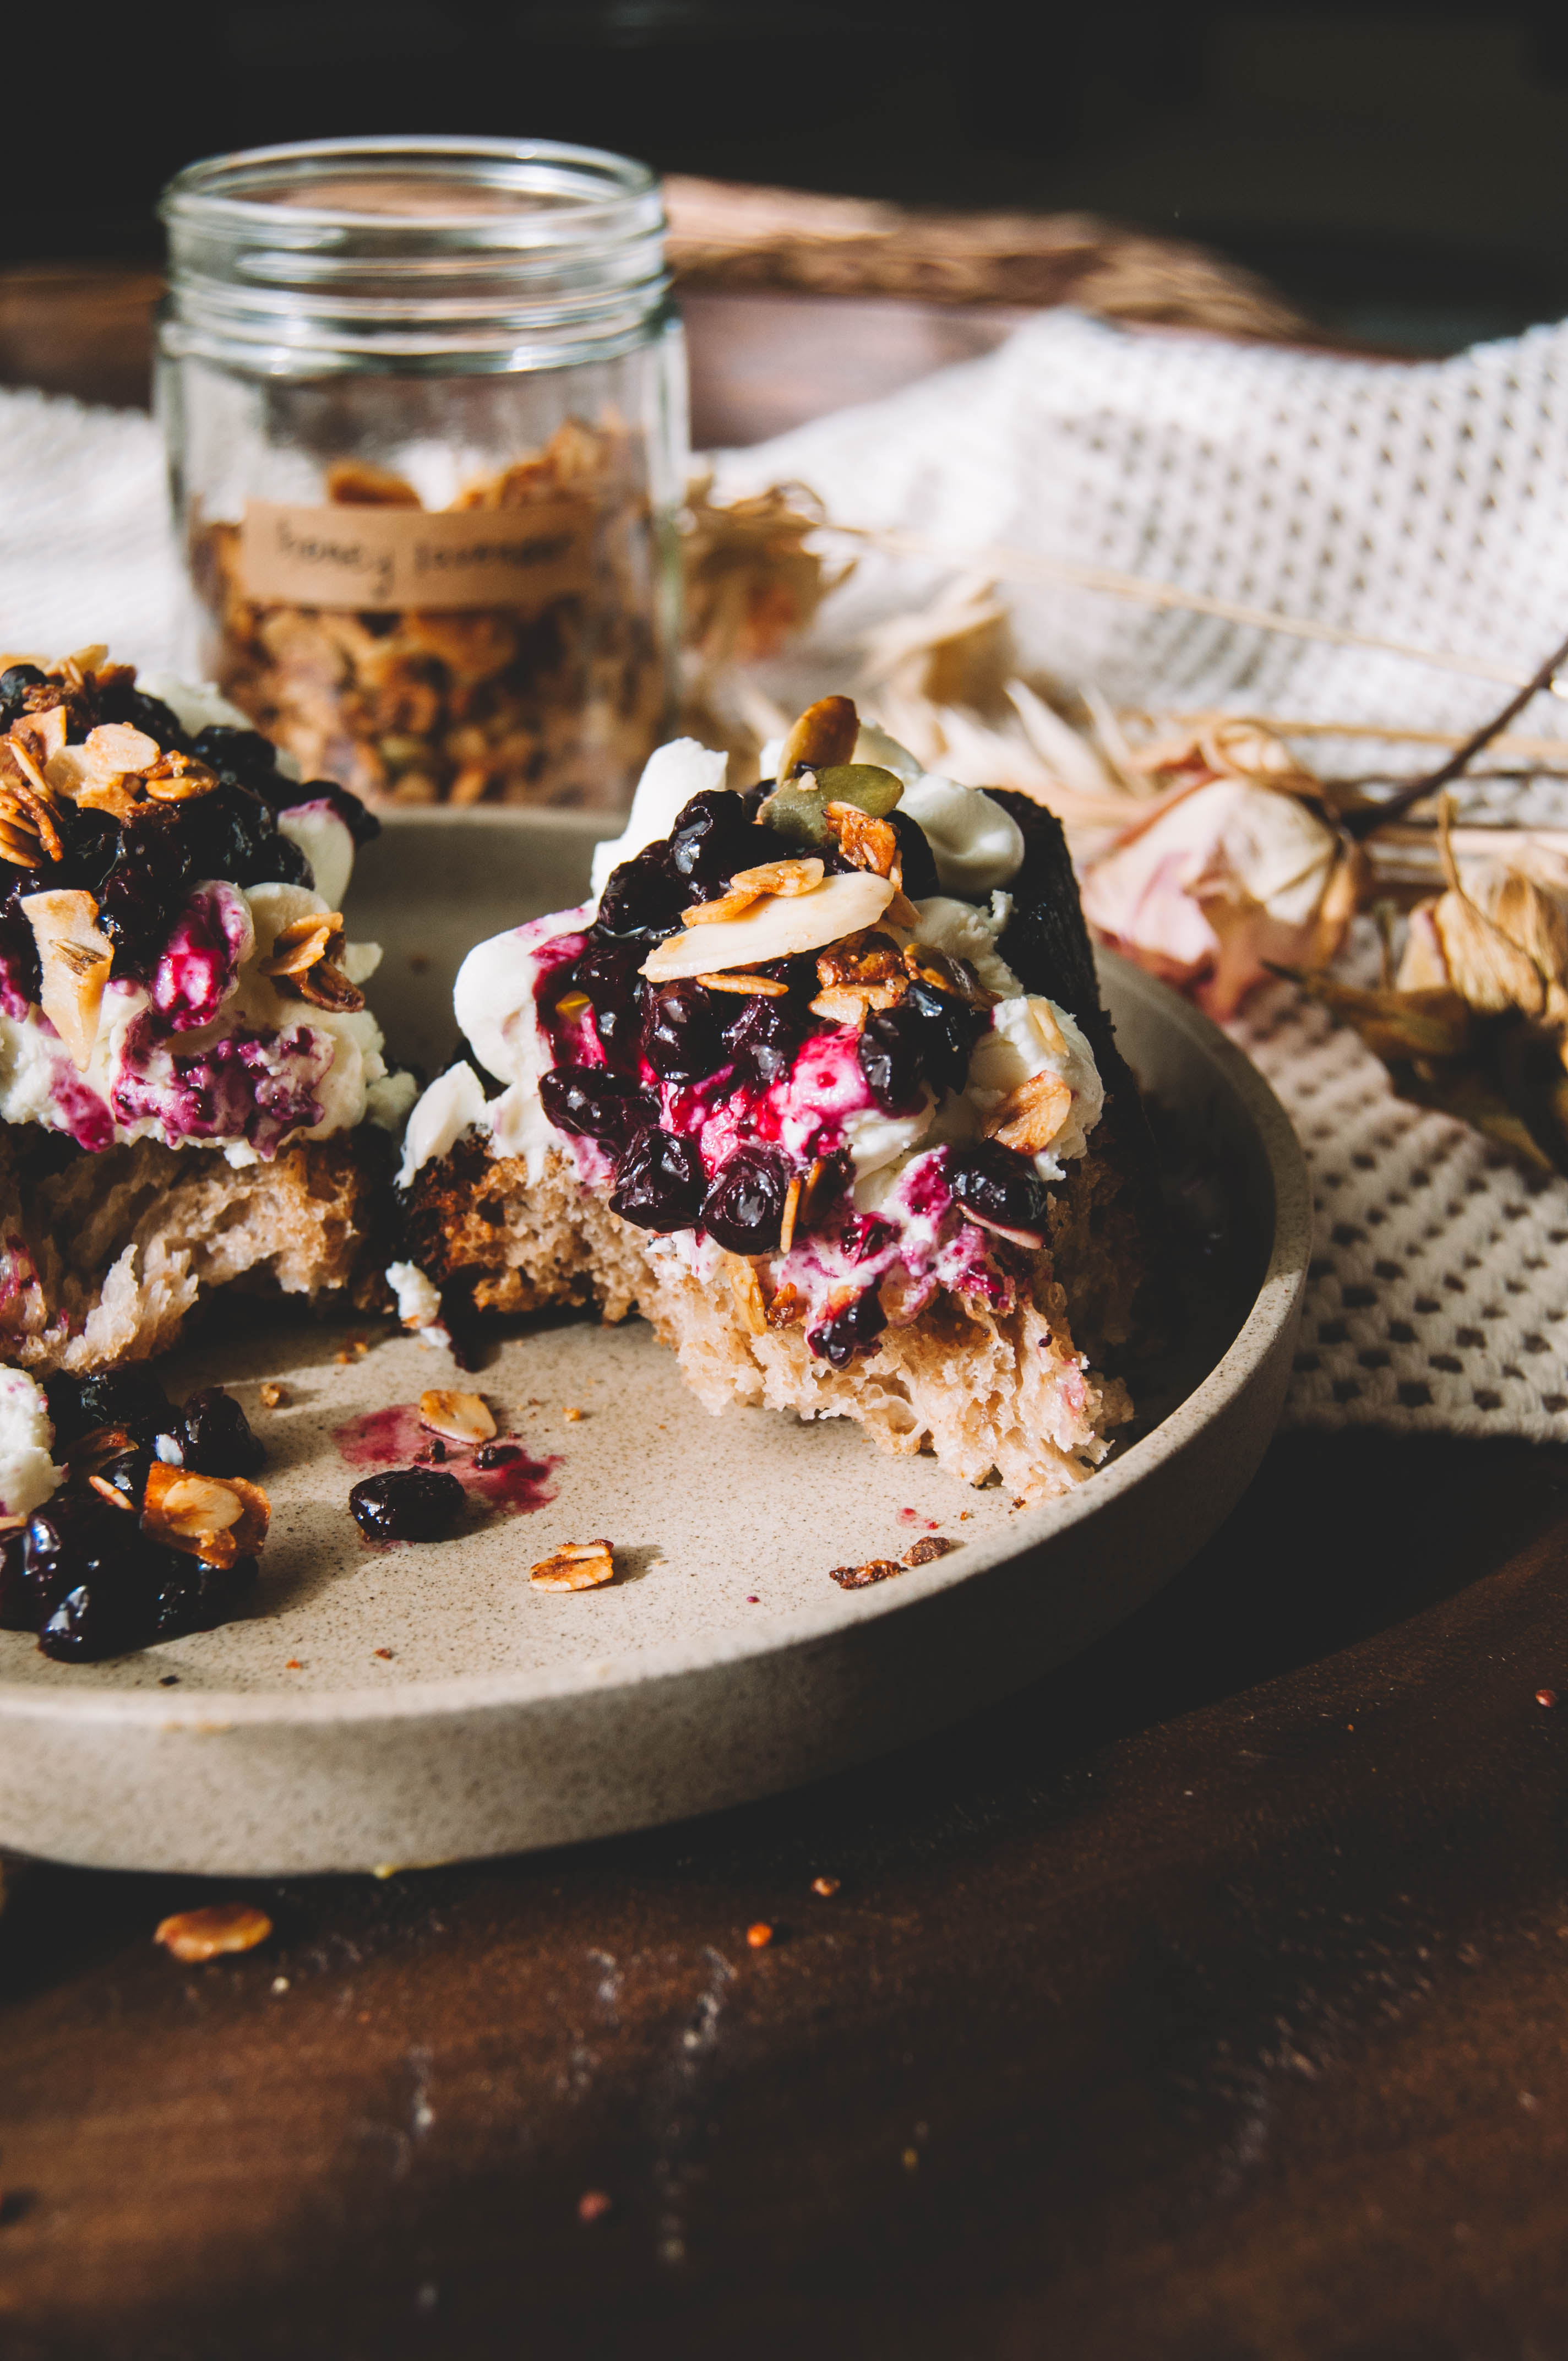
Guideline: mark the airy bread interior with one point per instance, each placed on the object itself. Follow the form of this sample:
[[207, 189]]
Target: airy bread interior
[[106, 1255]]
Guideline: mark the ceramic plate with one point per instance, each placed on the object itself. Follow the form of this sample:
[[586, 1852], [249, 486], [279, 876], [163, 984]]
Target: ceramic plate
[[385, 1709]]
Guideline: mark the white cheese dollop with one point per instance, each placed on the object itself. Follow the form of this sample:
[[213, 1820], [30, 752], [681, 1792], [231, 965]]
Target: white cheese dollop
[[453, 1104], [419, 1301], [976, 845], [27, 1473], [965, 932], [327, 844]]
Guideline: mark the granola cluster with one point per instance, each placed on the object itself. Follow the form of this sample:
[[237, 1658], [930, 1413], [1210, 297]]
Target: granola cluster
[[558, 705]]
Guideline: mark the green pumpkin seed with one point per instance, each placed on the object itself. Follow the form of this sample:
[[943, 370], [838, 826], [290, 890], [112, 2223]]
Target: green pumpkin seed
[[798, 810]]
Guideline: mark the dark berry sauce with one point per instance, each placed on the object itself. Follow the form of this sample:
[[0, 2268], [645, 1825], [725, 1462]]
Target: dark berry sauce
[[501, 1475]]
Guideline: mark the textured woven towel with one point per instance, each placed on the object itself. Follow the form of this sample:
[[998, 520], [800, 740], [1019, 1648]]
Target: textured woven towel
[[1423, 503]]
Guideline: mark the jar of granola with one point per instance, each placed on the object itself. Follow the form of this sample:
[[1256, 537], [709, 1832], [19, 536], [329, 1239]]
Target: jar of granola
[[424, 401]]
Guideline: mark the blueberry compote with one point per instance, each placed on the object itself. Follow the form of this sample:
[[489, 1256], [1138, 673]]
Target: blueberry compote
[[82, 1572], [140, 869], [700, 1101]]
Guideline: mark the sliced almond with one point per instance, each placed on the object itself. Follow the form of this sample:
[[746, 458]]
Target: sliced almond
[[121, 798], [214, 1518], [42, 734], [759, 987], [747, 1289], [813, 1180], [112, 1493], [223, 1927], [462, 1418], [776, 927], [119, 746], [791, 1211], [826, 732], [75, 960], [1030, 1117], [786, 877], [727, 906], [576, 1566]]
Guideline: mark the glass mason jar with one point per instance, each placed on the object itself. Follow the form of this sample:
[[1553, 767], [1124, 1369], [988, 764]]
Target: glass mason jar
[[424, 403]]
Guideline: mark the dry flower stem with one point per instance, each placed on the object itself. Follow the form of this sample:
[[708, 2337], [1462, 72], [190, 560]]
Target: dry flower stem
[[1364, 823], [1030, 565]]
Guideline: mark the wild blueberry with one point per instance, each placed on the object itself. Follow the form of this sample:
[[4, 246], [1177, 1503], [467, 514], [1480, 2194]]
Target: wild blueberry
[[606, 971], [680, 1033], [762, 1040], [216, 1435], [1000, 1186], [407, 1504], [850, 1333], [744, 1205], [889, 1053], [948, 1029], [659, 1182], [596, 1103]]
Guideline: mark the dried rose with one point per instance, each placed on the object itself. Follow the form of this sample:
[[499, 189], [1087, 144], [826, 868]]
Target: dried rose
[[1221, 884]]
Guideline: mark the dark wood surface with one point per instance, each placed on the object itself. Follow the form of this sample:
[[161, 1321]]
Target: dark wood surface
[[1209, 2000]]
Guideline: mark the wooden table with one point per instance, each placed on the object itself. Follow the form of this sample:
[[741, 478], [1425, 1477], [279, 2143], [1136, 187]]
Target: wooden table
[[1208, 2000]]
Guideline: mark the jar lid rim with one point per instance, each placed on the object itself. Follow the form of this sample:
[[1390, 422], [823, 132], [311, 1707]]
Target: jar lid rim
[[198, 192]]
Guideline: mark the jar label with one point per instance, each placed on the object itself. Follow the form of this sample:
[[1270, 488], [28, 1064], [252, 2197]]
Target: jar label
[[387, 558]]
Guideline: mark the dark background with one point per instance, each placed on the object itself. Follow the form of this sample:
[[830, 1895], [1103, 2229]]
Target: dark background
[[1402, 171]]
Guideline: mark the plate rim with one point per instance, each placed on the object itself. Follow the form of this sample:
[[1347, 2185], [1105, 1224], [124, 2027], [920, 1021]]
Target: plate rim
[[1270, 1315]]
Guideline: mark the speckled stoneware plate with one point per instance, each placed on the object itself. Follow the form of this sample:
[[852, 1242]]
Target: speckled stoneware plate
[[392, 1707]]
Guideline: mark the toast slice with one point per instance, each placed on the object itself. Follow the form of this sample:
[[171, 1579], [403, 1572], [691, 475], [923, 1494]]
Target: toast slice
[[857, 1139]]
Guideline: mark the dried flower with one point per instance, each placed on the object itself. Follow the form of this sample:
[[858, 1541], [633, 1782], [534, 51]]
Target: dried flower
[[751, 582], [1220, 884]]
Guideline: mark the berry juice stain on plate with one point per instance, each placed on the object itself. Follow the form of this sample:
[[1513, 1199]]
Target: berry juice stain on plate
[[500, 1474]]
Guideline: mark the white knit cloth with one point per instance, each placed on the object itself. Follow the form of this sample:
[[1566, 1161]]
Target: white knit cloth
[[1425, 503]]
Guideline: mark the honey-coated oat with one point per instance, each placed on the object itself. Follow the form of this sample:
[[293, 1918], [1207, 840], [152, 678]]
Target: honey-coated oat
[[558, 704]]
